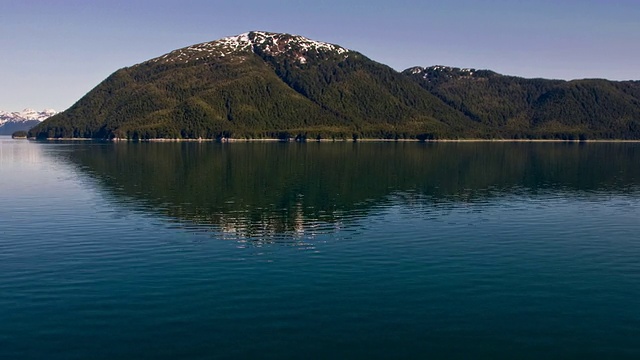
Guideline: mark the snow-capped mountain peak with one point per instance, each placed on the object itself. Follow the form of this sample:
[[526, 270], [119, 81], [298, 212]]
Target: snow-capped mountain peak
[[269, 43], [276, 43], [25, 115]]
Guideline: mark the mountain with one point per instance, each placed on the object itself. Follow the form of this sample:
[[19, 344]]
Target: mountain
[[514, 107], [256, 85], [24, 120], [268, 85]]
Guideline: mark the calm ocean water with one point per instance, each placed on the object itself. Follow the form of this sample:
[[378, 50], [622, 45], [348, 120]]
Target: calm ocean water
[[367, 250]]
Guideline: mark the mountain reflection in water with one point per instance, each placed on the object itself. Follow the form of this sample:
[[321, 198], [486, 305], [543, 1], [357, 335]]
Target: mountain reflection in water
[[276, 192]]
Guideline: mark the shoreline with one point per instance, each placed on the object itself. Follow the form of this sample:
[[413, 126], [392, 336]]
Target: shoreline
[[293, 140]]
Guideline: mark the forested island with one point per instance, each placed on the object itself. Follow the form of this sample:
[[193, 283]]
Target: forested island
[[263, 85], [20, 134]]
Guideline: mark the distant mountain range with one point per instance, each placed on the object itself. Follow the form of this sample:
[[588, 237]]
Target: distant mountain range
[[24, 120], [272, 85]]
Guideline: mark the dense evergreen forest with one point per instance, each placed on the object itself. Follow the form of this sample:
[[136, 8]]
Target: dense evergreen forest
[[305, 93], [513, 107]]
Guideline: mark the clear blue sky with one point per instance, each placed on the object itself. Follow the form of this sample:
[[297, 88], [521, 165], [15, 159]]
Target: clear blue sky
[[54, 51]]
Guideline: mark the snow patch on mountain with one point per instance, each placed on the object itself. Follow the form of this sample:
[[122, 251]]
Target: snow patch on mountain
[[272, 44], [446, 72]]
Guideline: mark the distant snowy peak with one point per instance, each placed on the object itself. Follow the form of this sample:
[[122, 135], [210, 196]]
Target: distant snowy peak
[[25, 115], [266, 43]]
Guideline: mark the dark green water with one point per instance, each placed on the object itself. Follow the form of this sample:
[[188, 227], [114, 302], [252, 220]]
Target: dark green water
[[368, 250]]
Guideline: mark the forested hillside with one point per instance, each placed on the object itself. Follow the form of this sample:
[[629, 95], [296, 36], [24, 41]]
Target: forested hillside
[[513, 107], [268, 85]]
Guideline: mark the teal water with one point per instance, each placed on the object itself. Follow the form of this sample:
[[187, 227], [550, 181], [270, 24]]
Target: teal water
[[332, 250]]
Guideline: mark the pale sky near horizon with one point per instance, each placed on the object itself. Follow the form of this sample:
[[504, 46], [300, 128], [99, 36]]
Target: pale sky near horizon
[[53, 52]]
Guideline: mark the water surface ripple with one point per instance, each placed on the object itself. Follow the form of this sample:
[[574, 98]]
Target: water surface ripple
[[319, 250]]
